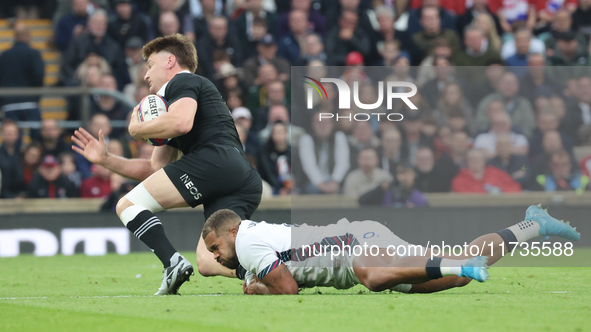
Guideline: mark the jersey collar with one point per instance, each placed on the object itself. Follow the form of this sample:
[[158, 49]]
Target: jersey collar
[[163, 88]]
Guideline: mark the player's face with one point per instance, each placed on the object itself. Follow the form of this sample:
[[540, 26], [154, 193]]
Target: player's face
[[156, 74], [223, 249]]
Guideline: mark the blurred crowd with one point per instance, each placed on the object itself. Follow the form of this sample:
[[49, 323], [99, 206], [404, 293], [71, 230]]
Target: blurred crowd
[[504, 93]]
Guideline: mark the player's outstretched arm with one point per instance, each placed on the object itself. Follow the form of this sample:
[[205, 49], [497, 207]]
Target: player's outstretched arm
[[176, 122], [280, 281], [95, 150]]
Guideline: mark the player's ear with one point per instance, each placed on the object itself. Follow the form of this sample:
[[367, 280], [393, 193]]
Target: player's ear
[[171, 61], [233, 232]]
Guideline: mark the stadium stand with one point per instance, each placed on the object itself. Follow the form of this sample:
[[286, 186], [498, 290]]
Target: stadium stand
[[531, 92]]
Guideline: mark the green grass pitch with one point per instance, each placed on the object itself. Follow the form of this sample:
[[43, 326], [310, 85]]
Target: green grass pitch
[[113, 293]]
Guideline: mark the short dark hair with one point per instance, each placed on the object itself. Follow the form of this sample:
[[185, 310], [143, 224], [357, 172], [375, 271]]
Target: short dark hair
[[219, 220], [178, 45]]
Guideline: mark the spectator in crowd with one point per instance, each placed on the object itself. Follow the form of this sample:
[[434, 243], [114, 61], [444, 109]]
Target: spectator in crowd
[[563, 175], [266, 94], [21, 66], [415, 16], [84, 77], [98, 185], [275, 161], [479, 7], [551, 142], [519, 108], [259, 30], [527, 44], [72, 24], [279, 113], [109, 106], [547, 120], [515, 13], [291, 45], [487, 24], [562, 22], [324, 156], [478, 52], [413, 136], [585, 163], [313, 50], [183, 21], [168, 24], [51, 138], [391, 154], [243, 119], [275, 97], [426, 72], [536, 78], [487, 83], [134, 60], [362, 138], [458, 158], [254, 9], [32, 157], [95, 41], [387, 51], [452, 98], [228, 78], [444, 75], [334, 10], [367, 176], [126, 23], [429, 178], [569, 53], [345, 38], [11, 169], [399, 193], [68, 166], [432, 30], [315, 21], [49, 182], [519, 60], [501, 124], [505, 159], [218, 40], [579, 112], [99, 125], [479, 178], [386, 37], [267, 55], [209, 10], [582, 17]]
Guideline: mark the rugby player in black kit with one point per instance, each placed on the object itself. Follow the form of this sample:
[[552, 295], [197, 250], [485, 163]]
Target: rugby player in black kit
[[212, 170]]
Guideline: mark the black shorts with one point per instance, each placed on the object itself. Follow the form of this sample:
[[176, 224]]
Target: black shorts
[[219, 177]]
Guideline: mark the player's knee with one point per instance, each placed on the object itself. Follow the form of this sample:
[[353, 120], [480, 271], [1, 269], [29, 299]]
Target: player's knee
[[122, 204], [377, 281]]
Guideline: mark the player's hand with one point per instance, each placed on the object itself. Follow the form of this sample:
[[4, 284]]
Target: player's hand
[[133, 122], [92, 149]]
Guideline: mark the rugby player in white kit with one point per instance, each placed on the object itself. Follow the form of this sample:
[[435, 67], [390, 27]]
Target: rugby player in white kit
[[283, 258]]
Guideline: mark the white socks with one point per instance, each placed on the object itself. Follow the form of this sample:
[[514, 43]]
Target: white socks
[[451, 267], [525, 230]]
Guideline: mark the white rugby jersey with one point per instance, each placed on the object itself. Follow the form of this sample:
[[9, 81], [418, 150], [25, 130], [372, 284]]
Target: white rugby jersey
[[262, 247]]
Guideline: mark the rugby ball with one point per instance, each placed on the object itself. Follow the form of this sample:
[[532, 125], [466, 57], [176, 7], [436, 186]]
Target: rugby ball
[[151, 107]]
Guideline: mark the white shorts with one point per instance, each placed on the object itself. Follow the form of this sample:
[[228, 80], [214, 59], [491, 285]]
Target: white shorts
[[370, 234]]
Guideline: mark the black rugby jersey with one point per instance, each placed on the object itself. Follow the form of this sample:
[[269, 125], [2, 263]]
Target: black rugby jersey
[[213, 122]]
